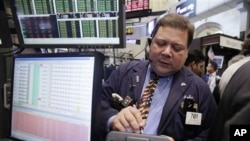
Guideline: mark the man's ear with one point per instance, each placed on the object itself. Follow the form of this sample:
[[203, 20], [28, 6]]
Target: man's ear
[[149, 40], [192, 64]]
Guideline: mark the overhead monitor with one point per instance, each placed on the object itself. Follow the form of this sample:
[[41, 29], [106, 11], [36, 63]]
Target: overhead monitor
[[56, 97], [5, 36], [136, 5], [137, 8], [70, 23]]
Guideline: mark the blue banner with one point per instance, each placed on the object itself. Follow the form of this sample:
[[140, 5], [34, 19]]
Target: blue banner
[[187, 9]]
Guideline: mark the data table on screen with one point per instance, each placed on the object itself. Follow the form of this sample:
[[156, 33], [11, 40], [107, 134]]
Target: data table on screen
[[56, 93]]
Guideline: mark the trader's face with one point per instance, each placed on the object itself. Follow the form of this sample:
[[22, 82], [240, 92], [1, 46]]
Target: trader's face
[[210, 68], [197, 67], [168, 50]]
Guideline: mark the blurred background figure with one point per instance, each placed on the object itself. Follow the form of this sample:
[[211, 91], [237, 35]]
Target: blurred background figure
[[235, 63], [195, 62], [235, 59], [235, 100], [213, 80]]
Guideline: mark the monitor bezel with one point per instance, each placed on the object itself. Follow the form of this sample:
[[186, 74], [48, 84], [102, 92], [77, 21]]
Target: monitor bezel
[[97, 84], [5, 35], [122, 33]]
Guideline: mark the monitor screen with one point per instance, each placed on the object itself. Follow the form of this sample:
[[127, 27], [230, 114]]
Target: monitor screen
[[5, 37], [136, 5], [83, 23], [219, 59], [56, 97], [151, 26]]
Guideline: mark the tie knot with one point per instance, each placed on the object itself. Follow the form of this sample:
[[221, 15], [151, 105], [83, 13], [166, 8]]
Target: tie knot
[[154, 76]]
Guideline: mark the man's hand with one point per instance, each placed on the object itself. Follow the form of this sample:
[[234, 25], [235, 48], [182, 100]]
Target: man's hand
[[170, 138], [128, 120]]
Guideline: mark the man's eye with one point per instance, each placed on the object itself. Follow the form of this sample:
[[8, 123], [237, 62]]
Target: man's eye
[[161, 43], [178, 48]]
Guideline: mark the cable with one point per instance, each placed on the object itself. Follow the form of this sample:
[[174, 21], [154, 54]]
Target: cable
[[11, 51], [140, 51]]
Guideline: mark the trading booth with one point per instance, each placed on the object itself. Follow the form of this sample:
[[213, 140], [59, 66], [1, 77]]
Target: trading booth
[[223, 47]]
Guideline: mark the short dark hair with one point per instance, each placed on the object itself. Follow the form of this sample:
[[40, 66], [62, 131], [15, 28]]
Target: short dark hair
[[248, 34], [175, 21], [214, 65], [196, 56]]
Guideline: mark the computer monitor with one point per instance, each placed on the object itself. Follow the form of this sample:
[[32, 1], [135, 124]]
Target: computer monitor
[[137, 8], [219, 59], [136, 5], [56, 97], [70, 23], [150, 26]]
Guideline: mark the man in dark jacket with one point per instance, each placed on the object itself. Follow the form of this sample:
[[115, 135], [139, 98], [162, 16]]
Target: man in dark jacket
[[182, 106]]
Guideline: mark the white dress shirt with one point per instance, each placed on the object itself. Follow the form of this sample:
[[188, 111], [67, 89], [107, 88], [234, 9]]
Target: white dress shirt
[[212, 81]]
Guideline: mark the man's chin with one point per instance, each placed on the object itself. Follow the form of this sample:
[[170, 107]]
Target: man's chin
[[165, 72]]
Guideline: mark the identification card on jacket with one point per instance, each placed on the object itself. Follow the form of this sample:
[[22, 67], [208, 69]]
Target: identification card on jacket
[[193, 118]]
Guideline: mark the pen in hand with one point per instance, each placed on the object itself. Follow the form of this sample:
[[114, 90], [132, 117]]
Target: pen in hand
[[124, 102], [141, 130], [141, 127]]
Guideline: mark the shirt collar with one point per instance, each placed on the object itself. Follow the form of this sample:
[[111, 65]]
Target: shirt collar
[[213, 74], [152, 73]]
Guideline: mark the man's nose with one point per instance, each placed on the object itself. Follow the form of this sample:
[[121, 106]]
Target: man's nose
[[167, 50]]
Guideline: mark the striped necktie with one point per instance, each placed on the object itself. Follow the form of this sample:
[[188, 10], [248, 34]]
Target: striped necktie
[[146, 99]]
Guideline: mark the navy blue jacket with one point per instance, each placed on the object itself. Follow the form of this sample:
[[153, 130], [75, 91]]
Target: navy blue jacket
[[129, 78]]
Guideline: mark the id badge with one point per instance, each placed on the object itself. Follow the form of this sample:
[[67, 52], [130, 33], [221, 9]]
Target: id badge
[[193, 118]]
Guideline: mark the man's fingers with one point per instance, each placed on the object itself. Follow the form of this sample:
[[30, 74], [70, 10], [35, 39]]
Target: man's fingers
[[138, 117], [117, 126], [128, 119]]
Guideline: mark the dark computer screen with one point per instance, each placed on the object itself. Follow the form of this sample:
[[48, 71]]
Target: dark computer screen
[[83, 23], [5, 37], [56, 97]]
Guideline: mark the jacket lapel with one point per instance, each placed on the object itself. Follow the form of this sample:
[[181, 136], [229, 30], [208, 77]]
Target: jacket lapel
[[179, 85], [138, 78]]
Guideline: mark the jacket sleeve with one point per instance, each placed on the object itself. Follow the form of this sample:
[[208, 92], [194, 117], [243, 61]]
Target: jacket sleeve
[[239, 113], [117, 83]]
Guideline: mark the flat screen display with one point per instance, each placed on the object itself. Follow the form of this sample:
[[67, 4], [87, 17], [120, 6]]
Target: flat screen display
[[151, 26], [80, 23], [55, 97], [219, 59], [136, 5]]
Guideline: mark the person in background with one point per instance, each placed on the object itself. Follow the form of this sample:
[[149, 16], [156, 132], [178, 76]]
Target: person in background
[[195, 62], [178, 94], [235, 101], [235, 59], [228, 73], [213, 80]]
